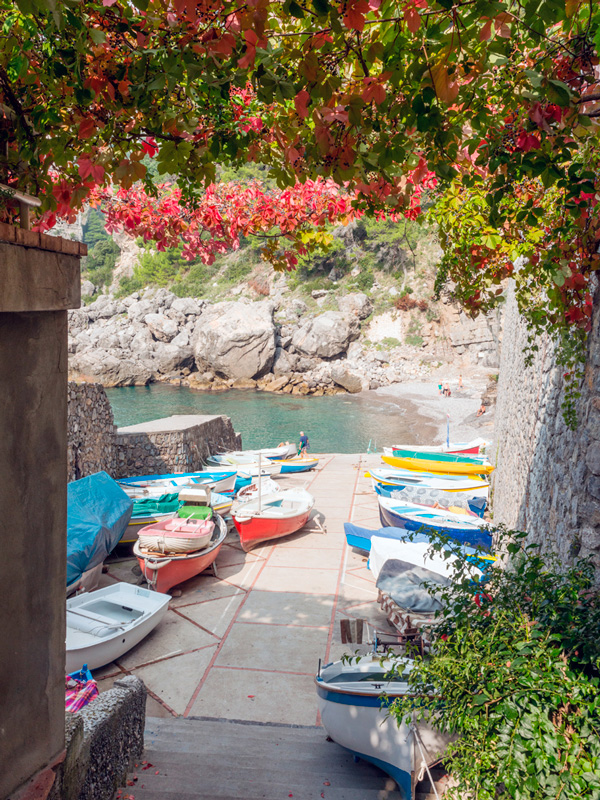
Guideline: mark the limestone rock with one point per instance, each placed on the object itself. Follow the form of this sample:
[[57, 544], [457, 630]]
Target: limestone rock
[[316, 294], [170, 357], [277, 384], [187, 306], [236, 340], [244, 383], [284, 362], [87, 288], [109, 370], [161, 327], [327, 335], [347, 380], [138, 310], [356, 303]]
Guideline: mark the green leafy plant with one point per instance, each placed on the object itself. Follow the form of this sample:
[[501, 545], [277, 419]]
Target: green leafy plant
[[101, 261], [514, 673]]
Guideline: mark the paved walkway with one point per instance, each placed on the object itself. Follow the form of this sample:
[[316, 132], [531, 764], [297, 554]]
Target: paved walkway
[[245, 646]]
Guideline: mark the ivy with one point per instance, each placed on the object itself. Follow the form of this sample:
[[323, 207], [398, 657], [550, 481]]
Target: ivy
[[514, 673]]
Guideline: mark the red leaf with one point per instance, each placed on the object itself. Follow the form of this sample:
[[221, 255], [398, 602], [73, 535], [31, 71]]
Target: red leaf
[[445, 88], [355, 15], [86, 128], [486, 32], [301, 103], [412, 19]]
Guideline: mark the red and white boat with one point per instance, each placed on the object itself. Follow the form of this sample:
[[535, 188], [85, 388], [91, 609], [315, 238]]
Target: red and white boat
[[272, 516], [455, 448], [165, 571]]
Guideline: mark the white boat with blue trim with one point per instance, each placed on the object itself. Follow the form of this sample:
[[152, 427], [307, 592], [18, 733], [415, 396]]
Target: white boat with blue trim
[[355, 716]]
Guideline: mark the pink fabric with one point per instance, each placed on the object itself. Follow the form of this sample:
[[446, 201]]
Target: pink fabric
[[79, 696]]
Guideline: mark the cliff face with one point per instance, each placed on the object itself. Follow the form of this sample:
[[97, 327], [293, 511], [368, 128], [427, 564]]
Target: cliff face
[[547, 480]]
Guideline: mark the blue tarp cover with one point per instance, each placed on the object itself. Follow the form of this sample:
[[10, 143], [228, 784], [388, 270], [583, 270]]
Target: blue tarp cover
[[98, 511]]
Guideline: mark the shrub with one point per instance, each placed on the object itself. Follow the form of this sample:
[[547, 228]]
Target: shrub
[[260, 284], [390, 341], [514, 673], [414, 340], [101, 261], [365, 280]]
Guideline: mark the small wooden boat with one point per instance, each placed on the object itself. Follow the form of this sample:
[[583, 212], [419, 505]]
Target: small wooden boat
[[400, 478], [473, 447], [219, 480], [203, 499], [354, 714], [247, 466], [272, 516], [164, 572], [282, 451], [176, 535], [299, 464], [453, 501], [105, 624], [250, 492], [444, 463], [148, 510], [471, 531]]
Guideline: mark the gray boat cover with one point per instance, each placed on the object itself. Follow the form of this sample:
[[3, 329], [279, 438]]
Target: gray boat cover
[[405, 584], [98, 511]]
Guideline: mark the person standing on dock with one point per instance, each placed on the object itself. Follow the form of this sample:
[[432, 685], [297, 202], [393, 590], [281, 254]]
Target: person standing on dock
[[303, 444]]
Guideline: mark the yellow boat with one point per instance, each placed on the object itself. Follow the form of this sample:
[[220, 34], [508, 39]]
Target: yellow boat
[[438, 467]]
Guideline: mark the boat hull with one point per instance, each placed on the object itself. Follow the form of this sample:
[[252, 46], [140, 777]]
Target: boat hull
[[473, 537], [438, 467], [359, 724], [256, 530], [445, 483], [292, 465], [99, 654], [162, 573], [131, 532]]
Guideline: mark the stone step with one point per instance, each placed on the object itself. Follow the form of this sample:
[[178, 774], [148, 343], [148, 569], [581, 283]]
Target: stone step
[[221, 760]]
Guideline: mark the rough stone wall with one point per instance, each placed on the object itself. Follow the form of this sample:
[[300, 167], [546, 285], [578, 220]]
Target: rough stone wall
[[547, 480], [165, 451], [90, 431], [103, 740]]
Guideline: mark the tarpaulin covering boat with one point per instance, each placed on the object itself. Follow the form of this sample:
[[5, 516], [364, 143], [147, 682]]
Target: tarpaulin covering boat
[[98, 512]]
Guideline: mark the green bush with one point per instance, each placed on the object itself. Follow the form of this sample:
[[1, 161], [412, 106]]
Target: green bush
[[364, 282], [390, 341], [101, 261], [414, 340], [93, 230], [237, 271], [514, 673]]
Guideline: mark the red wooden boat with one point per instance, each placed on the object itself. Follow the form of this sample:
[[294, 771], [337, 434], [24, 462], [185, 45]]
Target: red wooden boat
[[272, 516], [165, 571]]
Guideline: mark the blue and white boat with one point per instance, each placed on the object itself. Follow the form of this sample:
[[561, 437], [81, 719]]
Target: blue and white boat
[[355, 716], [412, 517], [299, 464], [434, 497], [399, 478], [219, 480]]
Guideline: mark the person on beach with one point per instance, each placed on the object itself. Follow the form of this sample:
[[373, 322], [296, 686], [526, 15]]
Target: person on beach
[[440, 388], [481, 410], [460, 383], [447, 392], [303, 444]]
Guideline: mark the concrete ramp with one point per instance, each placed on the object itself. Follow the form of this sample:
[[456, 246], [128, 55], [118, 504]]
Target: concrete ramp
[[201, 759]]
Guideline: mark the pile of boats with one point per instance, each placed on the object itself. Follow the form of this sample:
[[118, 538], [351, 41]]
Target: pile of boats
[[421, 492], [176, 524]]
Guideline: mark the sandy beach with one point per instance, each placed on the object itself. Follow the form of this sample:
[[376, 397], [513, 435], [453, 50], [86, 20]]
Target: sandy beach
[[433, 408]]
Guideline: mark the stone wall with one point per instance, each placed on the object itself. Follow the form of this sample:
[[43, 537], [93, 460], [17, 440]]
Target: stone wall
[[176, 444], [547, 480], [103, 741], [90, 431]]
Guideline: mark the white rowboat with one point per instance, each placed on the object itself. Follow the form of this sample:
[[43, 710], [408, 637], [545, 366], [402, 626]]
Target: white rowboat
[[105, 624]]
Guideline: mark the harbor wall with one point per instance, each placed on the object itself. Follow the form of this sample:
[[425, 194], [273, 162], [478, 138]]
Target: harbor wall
[[547, 480], [175, 444], [90, 431]]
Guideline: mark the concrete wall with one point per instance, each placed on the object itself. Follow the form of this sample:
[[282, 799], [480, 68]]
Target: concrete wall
[[38, 285], [176, 444], [547, 480], [90, 431]]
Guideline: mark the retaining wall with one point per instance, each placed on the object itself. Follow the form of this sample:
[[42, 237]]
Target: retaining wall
[[175, 444], [90, 431], [547, 480]]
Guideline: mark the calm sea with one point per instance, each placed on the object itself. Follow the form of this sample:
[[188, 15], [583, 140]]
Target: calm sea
[[340, 424]]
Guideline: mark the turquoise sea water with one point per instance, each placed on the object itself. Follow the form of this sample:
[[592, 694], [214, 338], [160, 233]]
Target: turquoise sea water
[[339, 424]]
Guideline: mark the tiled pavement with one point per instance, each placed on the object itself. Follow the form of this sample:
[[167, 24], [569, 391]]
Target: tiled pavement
[[232, 647]]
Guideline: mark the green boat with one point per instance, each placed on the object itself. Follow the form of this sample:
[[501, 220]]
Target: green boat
[[430, 455]]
